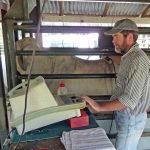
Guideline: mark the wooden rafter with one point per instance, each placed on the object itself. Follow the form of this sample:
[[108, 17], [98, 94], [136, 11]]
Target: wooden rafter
[[61, 8], [145, 12], [105, 10], [91, 19]]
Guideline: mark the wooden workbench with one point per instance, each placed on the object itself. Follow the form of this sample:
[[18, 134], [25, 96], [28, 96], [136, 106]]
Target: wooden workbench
[[52, 139], [50, 144]]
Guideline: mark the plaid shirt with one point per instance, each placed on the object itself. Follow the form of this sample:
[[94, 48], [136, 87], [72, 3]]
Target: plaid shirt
[[132, 81]]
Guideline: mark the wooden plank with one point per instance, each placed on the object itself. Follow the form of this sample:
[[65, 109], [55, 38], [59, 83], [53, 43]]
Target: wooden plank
[[61, 8], [105, 10]]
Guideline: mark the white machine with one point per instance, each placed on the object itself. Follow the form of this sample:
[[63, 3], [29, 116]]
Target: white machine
[[42, 108]]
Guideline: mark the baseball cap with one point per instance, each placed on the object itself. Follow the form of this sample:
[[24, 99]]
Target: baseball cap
[[124, 24]]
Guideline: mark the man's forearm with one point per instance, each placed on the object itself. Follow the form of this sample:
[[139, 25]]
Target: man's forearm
[[111, 106]]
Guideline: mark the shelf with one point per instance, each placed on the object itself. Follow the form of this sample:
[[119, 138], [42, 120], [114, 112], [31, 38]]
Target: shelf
[[68, 51], [69, 76], [70, 29], [72, 51]]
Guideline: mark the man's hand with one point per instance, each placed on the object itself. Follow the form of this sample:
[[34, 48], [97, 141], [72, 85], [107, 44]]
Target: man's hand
[[91, 103]]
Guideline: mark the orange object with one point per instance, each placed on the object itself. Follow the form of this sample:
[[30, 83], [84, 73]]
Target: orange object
[[81, 121]]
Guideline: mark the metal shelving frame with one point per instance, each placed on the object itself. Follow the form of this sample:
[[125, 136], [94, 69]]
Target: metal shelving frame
[[10, 30], [11, 53]]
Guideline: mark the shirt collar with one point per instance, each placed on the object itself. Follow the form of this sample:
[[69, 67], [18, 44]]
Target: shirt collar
[[136, 45]]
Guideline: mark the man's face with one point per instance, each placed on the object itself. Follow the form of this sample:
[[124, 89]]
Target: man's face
[[120, 42]]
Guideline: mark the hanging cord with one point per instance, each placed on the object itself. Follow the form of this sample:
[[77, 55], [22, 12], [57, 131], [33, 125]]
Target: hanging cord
[[112, 62], [29, 75]]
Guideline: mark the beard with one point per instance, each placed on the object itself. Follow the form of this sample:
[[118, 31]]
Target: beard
[[122, 49], [118, 51]]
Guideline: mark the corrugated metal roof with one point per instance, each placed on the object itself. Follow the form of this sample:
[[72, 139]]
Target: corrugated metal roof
[[121, 9], [86, 8], [75, 8], [51, 7], [98, 8], [95, 8]]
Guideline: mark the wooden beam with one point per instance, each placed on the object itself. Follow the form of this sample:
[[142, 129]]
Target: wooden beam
[[145, 12], [61, 8], [91, 19], [105, 10], [146, 134]]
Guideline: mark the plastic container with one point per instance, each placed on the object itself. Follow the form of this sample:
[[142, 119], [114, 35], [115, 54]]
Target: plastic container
[[62, 90], [42, 107]]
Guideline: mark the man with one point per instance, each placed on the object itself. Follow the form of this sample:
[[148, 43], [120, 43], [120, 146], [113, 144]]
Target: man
[[130, 99]]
